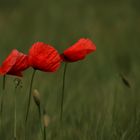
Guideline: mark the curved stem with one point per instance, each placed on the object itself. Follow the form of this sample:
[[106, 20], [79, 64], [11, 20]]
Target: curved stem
[[30, 92], [63, 91]]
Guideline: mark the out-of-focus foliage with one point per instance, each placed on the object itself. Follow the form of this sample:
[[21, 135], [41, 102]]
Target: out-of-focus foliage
[[98, 105]]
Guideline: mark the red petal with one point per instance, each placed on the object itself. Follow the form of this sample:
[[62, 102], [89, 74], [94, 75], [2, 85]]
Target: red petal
[[9, 62], [20, 65], [44, 57], [14, 64], [79, 50]]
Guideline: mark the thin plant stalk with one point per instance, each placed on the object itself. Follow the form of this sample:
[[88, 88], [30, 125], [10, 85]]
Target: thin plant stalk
[[46, 121], [44, 133], [15, 115], [40, 119], [1, 106], [18, 84], [30, 93], [3, 87], [4, 79], [37, 100], [63, 92]]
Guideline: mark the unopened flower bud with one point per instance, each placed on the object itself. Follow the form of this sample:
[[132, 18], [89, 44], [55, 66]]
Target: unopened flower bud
[[46, 119], [36, 96], [125, 81]]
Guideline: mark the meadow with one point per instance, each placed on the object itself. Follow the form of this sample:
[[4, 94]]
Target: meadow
[[98, 105]]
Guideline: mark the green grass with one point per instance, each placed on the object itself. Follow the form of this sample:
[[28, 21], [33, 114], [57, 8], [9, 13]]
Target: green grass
[[98, 106]]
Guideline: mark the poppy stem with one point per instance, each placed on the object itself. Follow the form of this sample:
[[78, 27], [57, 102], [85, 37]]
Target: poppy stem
[[1, 106], [4, 79], [15, 115], [40, 116], [44, 133], [63, 91], [30, 93], [3, 87]]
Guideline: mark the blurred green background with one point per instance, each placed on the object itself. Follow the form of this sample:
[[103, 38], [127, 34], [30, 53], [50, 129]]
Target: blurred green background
[[98, 105]]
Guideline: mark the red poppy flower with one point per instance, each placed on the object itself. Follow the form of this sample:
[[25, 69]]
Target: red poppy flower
[[44, 57], [79, 50], [14, 64]]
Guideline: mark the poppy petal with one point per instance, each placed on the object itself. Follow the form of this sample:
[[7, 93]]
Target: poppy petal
[[79, 50], [44, 57], [14, 64], [9, 62], [20, 65]]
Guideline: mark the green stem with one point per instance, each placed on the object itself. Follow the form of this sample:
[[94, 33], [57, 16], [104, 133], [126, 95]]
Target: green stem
[[4, 79], [3, 87], [15, 116], [30, 93], [44, 133], [39, 112], [1, 105], [63, 91]]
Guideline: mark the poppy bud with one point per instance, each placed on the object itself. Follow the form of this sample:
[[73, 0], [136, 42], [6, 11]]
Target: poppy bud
[[125, 80], [36, 96], [46, 119]]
